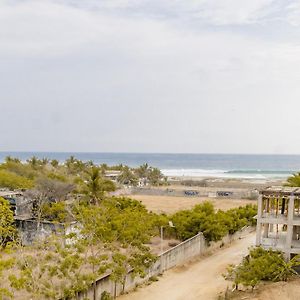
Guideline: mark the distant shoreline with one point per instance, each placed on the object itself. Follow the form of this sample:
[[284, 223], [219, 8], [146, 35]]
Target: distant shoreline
[[222, 166], [237, 182]]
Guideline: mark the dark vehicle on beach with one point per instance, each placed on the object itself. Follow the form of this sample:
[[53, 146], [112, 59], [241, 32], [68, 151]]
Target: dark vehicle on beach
[[191, 193], [224, 194]]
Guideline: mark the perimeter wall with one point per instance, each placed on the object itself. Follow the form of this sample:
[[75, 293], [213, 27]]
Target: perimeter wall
[[173, 257]]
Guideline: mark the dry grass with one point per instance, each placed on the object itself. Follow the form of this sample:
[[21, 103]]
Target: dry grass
[[171, 204], [272, 291]]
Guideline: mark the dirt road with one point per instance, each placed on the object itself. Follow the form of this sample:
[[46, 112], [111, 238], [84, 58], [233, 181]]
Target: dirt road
[[201, 280]]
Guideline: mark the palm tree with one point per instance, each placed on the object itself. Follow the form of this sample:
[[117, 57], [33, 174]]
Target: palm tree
[[54, 163], [45, 161], [127, 177], [294, 180], [142, 171], [70, 161], [9, 159], [33, 162], [95, 186]]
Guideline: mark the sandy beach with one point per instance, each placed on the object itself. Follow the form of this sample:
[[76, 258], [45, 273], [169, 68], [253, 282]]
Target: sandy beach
[[174, 197]]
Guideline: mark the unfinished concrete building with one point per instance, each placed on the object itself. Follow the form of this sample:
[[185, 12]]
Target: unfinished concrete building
[[278, 220]]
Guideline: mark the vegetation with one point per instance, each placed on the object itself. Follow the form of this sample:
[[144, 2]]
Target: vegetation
[[13, 181], [262, 265], [55, 212], [214, 225], [128, 177], [7, 229], [94, 186], [110, 235], [294, 180], [15, 174]]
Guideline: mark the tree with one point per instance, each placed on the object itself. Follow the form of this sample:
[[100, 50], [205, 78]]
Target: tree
[[54, 163], [55, 212], [127, 177], [119, 227], [9, 159], [294, 180], [34, 162], [53, 189], [13, 181], [8, 231], [262, 265], [95, 186], [142, 171], [155, 176], [213, 225], [74, 165], [45, 194], [44, 161], [17, 168]]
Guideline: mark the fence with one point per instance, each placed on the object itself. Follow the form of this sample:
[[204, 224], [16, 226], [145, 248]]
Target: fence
[[175, 256], [192, 192]]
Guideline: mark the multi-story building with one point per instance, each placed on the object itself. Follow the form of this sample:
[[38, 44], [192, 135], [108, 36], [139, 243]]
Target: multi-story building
[[278, 220]]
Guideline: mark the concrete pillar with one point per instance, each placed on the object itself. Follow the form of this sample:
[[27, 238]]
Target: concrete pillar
[[290, 230], [259, 216]]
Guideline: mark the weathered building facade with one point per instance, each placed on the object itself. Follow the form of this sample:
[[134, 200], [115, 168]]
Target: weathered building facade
[[278, 220]]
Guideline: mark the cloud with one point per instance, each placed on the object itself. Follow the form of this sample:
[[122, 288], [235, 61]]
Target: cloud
[[195, 76], [216, 12], [43, 27]]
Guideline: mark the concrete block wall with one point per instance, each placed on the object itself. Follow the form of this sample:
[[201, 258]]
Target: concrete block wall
[[173, 257]]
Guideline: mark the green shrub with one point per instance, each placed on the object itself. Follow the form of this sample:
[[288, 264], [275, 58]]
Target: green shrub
[[55, 212], [58, 177], [8, 231], [13, 181], [213, 225], [106, 296], [262, 265], [19, 168]]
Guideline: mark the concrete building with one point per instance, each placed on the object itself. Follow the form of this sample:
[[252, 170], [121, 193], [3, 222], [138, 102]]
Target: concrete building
[[278, 220]]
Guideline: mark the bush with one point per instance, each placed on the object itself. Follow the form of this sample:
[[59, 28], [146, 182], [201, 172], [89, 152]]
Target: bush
[[19, 168], [262, 265], [13, 181], [8, 231], [213, 225], [55, 212], [106, 296]]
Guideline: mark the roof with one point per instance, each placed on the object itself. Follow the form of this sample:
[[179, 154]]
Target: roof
[[280, 191], [9, 193]]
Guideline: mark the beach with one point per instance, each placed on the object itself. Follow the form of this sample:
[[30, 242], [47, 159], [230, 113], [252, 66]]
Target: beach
[[185, 193]]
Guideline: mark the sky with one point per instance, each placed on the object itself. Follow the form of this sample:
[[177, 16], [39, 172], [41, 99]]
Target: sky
[[195, 76]]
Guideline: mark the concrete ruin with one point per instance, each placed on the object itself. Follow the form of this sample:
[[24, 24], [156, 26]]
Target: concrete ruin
[[30, 229], [278, 220]]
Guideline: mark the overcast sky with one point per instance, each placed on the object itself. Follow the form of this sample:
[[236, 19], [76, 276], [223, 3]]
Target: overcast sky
[[201, 76]]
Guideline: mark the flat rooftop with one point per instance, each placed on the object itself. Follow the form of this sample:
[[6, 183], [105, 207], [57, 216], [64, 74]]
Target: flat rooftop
[[9, 193], [280, 191]]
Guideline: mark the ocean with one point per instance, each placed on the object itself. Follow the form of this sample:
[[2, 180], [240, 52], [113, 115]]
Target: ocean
[[204, 165]]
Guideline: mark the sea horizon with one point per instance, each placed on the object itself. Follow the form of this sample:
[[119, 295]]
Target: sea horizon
[[243, 166]]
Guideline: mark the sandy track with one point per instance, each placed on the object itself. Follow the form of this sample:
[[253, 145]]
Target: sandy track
[[200, 280]]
